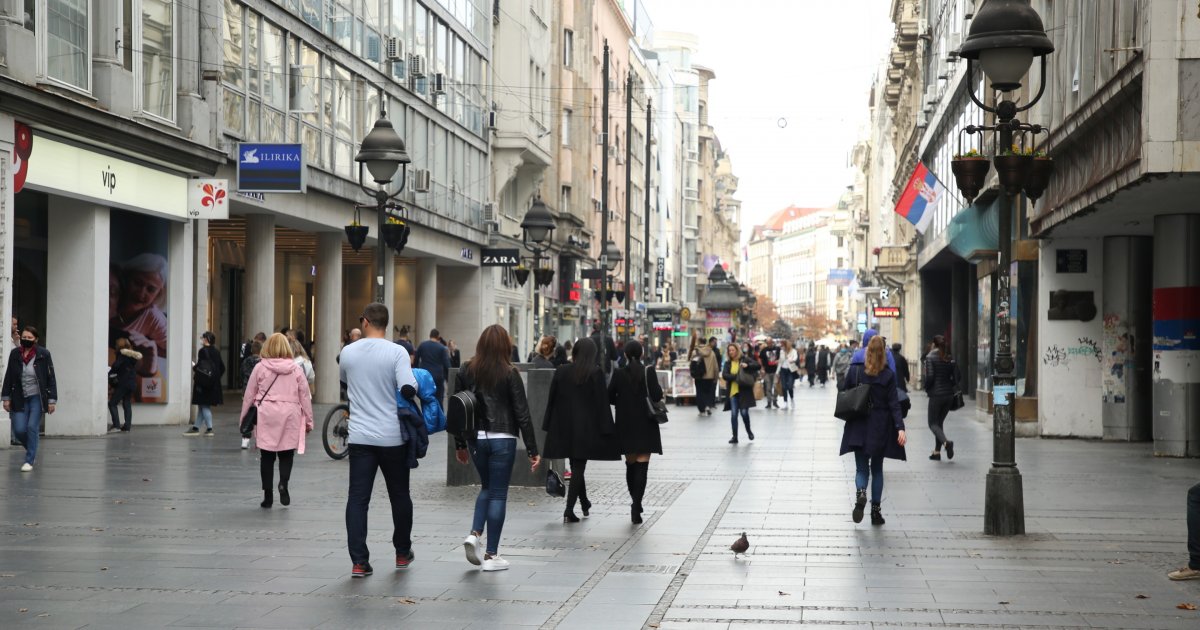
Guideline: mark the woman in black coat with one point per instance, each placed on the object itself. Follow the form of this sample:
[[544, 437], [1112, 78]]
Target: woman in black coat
[[878, 435], [579, 423], [941, 382], [206, 388], [741, 397], [637, 431], [29, 392], [123, 377]]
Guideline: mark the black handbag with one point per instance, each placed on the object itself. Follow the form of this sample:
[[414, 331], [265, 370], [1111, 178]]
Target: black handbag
[[554, 484], [745, 378], [250, 420], [853, 403], [956, 401], [655, 409], [462, 411]]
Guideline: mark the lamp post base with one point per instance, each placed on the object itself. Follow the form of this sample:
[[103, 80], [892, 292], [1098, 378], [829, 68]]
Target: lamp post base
[[1004, 503]]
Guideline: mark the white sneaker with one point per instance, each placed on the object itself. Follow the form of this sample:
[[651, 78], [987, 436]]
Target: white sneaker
[[471, 548], [245, 443], [26, 467], [495, 563]]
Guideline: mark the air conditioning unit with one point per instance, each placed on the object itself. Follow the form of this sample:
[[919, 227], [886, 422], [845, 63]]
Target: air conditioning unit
[[489, 215], [931, 95], [416, 65], [439, 83], [491, 119], [421, 180], [393, 49]]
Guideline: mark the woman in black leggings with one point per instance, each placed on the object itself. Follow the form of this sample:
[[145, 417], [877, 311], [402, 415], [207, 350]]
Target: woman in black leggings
[[941, 382]]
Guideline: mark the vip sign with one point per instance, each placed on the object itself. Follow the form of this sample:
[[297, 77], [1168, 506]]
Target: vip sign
[[208, 199]]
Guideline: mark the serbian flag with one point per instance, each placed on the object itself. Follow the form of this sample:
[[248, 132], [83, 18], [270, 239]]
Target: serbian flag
[[919, 198]]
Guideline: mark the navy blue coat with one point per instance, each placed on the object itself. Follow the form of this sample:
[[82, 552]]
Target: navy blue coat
[[876, 434]]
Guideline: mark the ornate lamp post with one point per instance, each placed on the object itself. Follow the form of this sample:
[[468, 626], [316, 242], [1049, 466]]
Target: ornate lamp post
[[535, 234], [1005, 37], [382, 152], [610, 258]]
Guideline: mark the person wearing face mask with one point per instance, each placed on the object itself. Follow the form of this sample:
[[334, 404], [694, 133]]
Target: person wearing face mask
[[29, 391]]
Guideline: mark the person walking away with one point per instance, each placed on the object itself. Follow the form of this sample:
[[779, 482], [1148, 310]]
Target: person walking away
[[373, 370], [248, 365], [300, 358], [902, 374], [434, 357], [841, 362], [579, 422], [810, 364], [637, 431], [768, 358], [123, 376], [206, 387], [280, 388], [1192, 570], [498, 387], [824, 362], [879, 434], [789, 371], [741, 398], [543, 358], [860, 353], [29, 391], [941, 382], [607, 349], [706, 386], [455, 355], [403, 341]]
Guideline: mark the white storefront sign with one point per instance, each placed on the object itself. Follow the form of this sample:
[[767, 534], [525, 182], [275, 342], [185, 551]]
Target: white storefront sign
[[208, 199], [77, 172]]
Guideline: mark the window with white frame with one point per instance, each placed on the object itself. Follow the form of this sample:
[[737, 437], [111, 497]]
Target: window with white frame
[[148, 51], [568, 47], [566, 127], [64, 44]]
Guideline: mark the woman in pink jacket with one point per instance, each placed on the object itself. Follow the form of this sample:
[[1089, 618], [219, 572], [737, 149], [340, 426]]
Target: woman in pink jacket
[[279, 388]]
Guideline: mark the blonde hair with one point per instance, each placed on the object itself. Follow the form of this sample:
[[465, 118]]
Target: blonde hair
[[277, 347], [298, 349], [876, 356]]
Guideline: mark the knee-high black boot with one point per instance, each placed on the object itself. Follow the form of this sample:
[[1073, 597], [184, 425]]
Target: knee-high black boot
[[643, 474], [631, 482], [266, 469]]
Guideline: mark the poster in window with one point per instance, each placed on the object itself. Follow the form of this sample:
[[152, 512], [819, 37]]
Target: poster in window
[[137, 300]]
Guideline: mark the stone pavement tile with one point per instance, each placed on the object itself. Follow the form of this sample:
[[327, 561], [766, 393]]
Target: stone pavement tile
[[46, 619], [1186, 621], [744, 625], [309, 616], [693, 625], [871, 615], [1023, 619], [614, 616], [757, 613]]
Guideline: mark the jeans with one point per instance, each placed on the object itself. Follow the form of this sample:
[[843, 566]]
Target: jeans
[[734, 408], [706, 393], [203, 416], [494, 462], [266, 467], [769, 389], [124, 396], [1193, 525], [365, 460], [25, 425], [787, 380], [939, 407], [874, 473]]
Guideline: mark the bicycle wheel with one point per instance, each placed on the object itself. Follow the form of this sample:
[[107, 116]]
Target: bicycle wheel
[[336, 431]]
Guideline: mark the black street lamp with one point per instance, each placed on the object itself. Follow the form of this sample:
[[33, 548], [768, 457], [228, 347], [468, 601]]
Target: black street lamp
[[1005, 37], [382, 152], [535, 232], [610, 258]]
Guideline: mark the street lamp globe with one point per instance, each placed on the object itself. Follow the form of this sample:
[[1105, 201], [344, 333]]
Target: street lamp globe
[[1005, 37], [538, 221], [612, 255], [382, 151]]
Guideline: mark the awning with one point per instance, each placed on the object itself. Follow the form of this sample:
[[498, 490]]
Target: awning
[[975, 230]]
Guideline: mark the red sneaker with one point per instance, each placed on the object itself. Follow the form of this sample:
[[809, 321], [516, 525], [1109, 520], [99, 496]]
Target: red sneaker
[[403, 560], [361, 570]]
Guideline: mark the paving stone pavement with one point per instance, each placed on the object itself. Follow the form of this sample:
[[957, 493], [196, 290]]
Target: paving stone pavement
[[151, 529]]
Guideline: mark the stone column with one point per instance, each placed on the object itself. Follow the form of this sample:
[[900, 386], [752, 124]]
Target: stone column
[[427, 280], [259, 298], [200, 286], [76, 330], [7, 215], [112, 83], [329, 315], [1176, 368], [1125, 344]]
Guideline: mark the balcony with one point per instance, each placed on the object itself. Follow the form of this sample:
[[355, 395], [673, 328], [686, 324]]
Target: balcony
[[892, 259]]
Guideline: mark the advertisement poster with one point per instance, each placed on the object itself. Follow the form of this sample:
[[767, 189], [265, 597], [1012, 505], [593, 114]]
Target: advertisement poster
[[718, 324], [137, 298], [685, 386]]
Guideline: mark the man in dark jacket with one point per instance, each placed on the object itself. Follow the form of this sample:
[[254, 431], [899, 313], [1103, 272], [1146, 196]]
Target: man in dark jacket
[[824, 362], [810, 364], [435, 358], [608, 349], [902, 373], [768, 358]]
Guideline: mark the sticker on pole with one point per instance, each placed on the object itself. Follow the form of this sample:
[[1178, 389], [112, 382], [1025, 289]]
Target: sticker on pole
[[1000, 394]]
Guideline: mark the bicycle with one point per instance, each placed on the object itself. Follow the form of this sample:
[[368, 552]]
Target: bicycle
[[336, 431]]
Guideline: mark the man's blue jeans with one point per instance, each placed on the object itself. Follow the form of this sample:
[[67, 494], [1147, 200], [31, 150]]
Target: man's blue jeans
[[393, 462], [203, 417], [26, 424], [869, 469], [1193, 525], [494, 462]]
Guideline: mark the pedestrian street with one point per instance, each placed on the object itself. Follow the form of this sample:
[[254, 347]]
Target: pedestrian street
[[149, 529]]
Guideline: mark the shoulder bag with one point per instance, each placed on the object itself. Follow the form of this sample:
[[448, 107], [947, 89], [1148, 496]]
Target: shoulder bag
[[853, 403], [250, 420], [745, 378], [554, 483], [656, 408]]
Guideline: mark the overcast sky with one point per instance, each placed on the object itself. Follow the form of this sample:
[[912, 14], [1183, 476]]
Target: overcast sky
[[808, 62]]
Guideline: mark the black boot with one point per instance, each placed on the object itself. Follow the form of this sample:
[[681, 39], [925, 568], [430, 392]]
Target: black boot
[[284, 497], [268, 498], [876, 516], [643, 475], [860, 503], [631, 475], [749, 433]]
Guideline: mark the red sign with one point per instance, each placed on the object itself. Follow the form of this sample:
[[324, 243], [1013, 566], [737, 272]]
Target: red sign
[[887, 311], [573, 294]]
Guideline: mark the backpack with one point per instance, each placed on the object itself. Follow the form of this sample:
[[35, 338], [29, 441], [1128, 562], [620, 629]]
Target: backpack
[[696, 367]]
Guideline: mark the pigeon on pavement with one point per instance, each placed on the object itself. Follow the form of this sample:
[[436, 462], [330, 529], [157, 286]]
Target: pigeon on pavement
[[740, 545]]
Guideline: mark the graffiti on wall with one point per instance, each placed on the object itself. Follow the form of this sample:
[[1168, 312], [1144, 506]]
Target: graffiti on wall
[[1059, 356], [1117, 358]]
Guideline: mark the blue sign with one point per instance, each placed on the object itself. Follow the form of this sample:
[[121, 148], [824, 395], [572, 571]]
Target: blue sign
[[840, 277], [270, 168]]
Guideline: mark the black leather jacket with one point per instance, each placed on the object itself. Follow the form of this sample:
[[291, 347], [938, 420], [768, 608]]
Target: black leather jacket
[[942, 378], [505, 408]]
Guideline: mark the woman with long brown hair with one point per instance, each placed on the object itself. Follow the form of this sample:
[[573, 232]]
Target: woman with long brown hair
[[497, 386], [637, 431], [877, 435], [941, 383], [741, 397]]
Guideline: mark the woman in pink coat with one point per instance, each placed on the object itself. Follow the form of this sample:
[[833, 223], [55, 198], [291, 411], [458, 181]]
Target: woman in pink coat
[[279, 388]]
